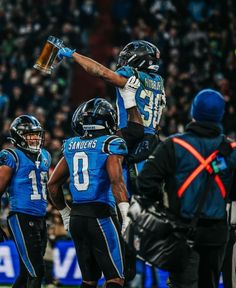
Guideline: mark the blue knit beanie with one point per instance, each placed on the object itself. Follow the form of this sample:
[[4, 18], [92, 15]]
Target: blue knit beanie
[[208, 105]]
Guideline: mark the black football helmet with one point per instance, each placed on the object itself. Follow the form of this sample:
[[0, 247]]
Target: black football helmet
[[139, 54], [95, 114], [22, 128]]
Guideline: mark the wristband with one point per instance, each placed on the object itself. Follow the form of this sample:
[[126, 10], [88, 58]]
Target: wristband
[[65, 211], [123, 207]]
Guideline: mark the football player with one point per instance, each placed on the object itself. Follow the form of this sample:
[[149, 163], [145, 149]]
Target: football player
[[93, 162], [24, 170], [140, 59]]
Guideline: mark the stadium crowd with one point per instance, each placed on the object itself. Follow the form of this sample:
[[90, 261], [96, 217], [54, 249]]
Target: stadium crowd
[[195, 38]]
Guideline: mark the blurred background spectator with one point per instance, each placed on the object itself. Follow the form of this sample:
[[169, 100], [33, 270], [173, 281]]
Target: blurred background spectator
[[196, 39]]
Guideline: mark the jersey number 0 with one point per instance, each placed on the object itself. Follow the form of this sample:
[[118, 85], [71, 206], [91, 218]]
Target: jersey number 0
[[80, 165]]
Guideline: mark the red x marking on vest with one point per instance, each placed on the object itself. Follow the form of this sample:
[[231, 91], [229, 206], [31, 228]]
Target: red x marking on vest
[[204, 165]]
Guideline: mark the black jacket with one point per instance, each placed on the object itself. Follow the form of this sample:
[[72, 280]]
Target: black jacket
[[170, 164]]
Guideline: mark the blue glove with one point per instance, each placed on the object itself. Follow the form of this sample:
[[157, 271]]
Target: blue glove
[[65, 52]]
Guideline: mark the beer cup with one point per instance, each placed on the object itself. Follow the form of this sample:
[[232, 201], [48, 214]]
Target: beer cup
[[47, 59]]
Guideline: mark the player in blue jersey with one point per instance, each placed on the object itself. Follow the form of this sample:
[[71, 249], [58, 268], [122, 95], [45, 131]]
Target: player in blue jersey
[[93, 162], [24, 174], [140, 59]]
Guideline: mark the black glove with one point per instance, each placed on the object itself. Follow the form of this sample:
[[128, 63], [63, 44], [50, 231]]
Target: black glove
[[143, 148]]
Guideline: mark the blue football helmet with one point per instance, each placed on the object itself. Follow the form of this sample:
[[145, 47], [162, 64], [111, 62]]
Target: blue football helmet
[[27, 133], [139, 54], [95, 114]]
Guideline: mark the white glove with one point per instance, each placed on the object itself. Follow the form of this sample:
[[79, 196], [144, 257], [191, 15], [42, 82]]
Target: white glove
[[123, 207], [65, 215], [129, 91], [231, 210]]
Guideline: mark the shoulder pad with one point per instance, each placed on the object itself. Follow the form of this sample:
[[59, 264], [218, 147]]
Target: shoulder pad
[[9, 158], [115, 145], [49, 157], [3, 157], [125, 71], [65, 144]]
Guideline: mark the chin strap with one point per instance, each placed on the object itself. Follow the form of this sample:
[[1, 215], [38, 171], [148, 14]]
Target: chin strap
[[37, 162]]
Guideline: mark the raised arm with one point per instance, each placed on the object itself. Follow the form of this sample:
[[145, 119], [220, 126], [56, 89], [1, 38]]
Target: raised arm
[[93, 68]]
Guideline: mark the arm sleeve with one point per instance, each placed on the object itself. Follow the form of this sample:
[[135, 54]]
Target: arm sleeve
[[7, 159], [160, 164], [125, 71]]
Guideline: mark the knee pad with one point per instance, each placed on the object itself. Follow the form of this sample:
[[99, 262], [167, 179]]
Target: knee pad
[[113, 285], [85, 285]]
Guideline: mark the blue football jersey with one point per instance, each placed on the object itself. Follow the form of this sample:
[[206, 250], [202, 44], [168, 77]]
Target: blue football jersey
[[149, 98], [86, 159], [28, 186]]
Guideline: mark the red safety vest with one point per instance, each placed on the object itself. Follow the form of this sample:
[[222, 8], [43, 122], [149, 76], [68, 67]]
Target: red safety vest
[[204, 164]]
